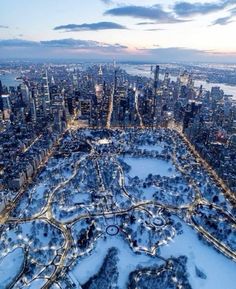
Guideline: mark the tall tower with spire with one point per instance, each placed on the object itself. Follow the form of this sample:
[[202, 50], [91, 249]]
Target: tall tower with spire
[[100, 75], [156, 78], [99, 85], [156, 111], [52, 80], [46, 94], [115, 76]]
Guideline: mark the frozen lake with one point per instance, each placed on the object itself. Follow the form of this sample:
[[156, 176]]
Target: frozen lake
[[220, 271], [142, 167], [10, 267], [128, 260]]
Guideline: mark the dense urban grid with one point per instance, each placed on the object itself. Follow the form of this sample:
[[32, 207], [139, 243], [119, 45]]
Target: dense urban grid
[[106, 176]]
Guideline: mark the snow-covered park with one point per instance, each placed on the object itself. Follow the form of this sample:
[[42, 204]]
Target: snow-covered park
[[142, 167], [135, 196]]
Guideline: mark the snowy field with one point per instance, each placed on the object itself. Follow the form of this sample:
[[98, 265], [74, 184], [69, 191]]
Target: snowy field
[[220, 271], [152, 166], [10, 267], [128, 260], [81, 195], [36, 284]]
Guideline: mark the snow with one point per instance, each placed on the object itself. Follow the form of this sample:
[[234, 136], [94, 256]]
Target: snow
[[149, 148], [149, 192], [36, 284], [74, 280], [220, 270], [55, 286], [44, 239], [152, 166], [81, 197], [10, 267], [104, 141], [128, 260]]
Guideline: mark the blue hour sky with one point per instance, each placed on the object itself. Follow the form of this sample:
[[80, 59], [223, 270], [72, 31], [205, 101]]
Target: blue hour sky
[[127, 30]]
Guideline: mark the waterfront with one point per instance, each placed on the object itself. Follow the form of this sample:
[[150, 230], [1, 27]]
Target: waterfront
[[9, 79], [145, 70]]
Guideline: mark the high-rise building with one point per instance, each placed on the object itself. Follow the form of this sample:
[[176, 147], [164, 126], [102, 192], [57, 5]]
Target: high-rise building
[[1, 88], [157, 99], [156, 78], [33, 113], [46, 94], [25, 93], [5, 106]]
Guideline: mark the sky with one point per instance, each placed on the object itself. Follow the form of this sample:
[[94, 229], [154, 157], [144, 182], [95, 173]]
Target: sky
[[138, 30]]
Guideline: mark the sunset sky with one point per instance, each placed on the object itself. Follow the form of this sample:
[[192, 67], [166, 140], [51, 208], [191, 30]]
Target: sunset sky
[[129, 30]]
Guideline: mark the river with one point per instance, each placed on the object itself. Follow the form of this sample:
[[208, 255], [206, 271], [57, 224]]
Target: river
[[9, 79], [145, 70]]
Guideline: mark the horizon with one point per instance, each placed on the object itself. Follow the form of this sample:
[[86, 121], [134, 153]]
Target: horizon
[[118, 144], [107, 61], [155, 31]]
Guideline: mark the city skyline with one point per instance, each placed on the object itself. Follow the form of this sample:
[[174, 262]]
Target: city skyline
[[117, 144], [113, 180], [96, 29]]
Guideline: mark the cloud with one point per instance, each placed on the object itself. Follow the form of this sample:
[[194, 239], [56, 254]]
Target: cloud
[[68, 43], [90, 26], [146, 23], [182, 54], [3, 27], [179, 53], [88, 49], [233, 11], [154, 13], [80, 44], [107, 1], [60, 49], [154, 29], [222, 21], [186, 9], [18, 43], [225, 20]]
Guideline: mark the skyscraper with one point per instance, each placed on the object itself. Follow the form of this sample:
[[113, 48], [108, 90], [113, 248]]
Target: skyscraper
[[1, 88], [25, 93], [157, 105], [46, 94]]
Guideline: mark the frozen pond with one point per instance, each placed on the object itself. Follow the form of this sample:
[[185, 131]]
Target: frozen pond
[[10, 267], [128, 260], [220, 270], [142, 167]]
